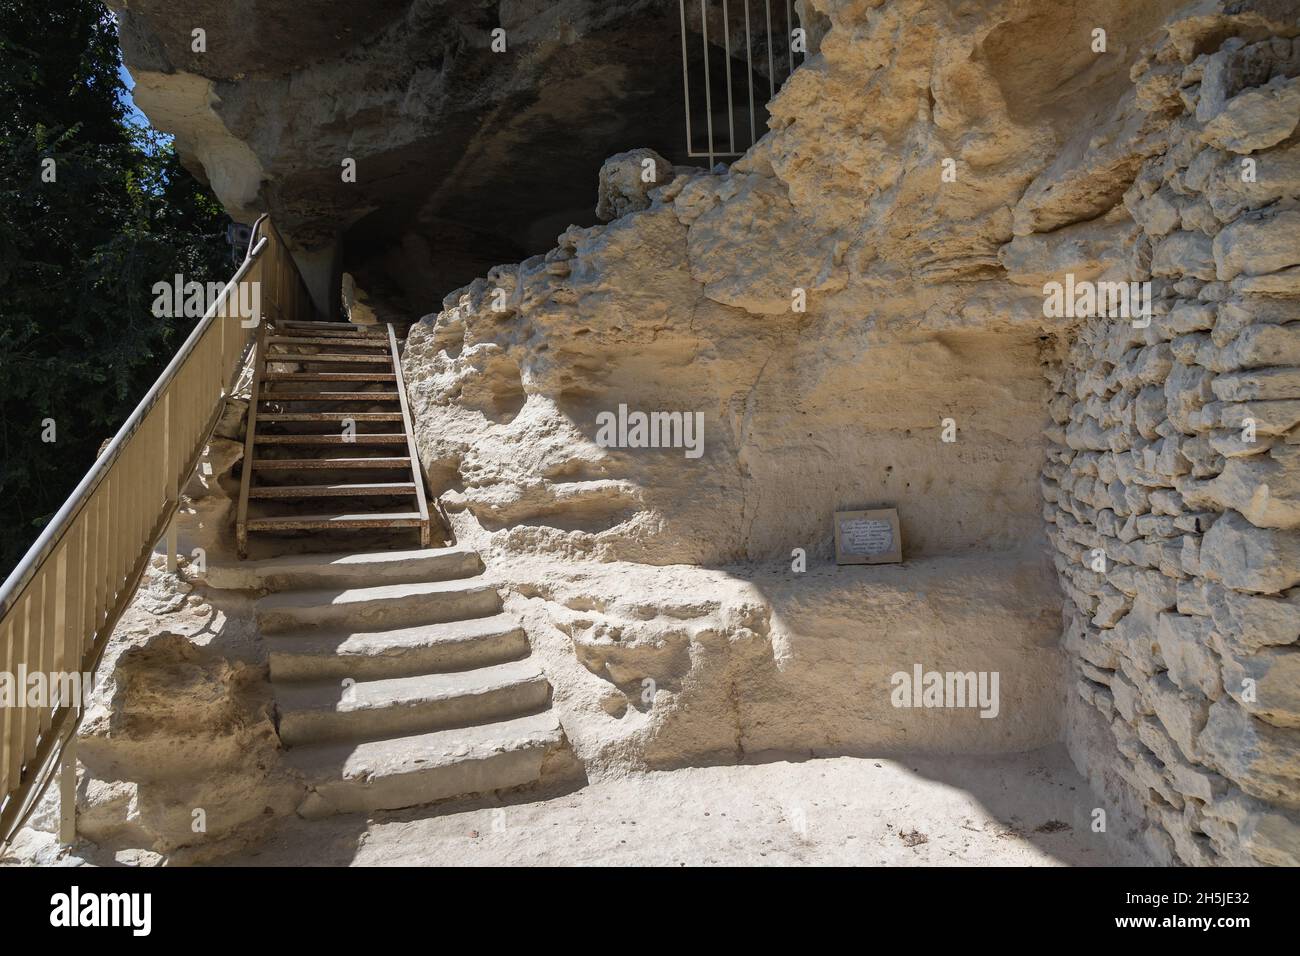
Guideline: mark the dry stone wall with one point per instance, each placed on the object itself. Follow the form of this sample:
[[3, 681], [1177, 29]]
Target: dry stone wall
[[1172, 480]]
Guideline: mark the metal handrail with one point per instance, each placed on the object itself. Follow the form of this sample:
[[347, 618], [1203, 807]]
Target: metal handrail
[[62, 520], [59, 605]]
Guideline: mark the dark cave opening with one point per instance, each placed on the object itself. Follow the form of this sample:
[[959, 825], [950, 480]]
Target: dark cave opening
[[499, 184]]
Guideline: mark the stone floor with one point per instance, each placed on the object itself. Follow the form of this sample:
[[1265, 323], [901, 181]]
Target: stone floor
[[1028, 809]]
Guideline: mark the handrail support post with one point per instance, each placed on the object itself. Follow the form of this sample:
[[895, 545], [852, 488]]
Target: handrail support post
[[173, 545], [172, 488], [68, 792]]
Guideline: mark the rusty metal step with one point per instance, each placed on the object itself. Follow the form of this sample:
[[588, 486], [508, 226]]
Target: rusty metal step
[[329, 377], [347, 328], [325, 464], [320, 358], [333, 491], [328, 397], [362, 439], [396, 519], [285, 417], [336, 340]]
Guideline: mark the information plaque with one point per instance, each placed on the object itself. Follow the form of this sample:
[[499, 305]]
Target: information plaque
[[868, 537]]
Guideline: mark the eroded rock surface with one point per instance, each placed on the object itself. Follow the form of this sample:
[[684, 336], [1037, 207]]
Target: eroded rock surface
[[925, 299], [464, 155], [1112, 528]]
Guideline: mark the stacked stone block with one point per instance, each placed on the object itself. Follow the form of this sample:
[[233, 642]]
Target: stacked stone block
[[1172, 483]]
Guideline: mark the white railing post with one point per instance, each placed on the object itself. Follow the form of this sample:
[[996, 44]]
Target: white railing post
[[68, 792], [171, 488]]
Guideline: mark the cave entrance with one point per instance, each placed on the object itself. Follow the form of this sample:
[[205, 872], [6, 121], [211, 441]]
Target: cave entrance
[[499, 180]]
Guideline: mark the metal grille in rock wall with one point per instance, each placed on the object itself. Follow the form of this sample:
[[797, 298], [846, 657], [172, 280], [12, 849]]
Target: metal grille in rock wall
[[736, 54]]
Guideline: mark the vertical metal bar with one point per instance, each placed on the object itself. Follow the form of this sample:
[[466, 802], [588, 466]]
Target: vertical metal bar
[[123, 544], [685, 76], [89, 562], [726, 42], [749, 77], [135, 490], [250, 439], [50, 639], [771, 67], [708, 80], [417, 472], [214, 367], [789, 39], [193, 408], [142, 521], [17, 734], [103, 500], [89, 621], [220, 330]]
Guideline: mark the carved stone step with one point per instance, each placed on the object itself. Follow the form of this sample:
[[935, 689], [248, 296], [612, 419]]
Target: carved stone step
[[334, 710], [360, 569], [408, 771], [379, 608], [330, 654]]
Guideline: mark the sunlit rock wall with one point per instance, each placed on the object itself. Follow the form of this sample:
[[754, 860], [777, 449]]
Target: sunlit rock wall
[[927, 176]]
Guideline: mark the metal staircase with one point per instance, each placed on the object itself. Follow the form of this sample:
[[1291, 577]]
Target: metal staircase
[[329, 443]]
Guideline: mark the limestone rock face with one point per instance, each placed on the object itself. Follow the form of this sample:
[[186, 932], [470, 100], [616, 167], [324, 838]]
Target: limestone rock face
[[179, 753], [464, 155], [875, 268], [626, 180], [646, 430]]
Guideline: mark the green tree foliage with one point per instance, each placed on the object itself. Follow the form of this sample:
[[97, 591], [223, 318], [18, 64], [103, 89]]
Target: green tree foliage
[[79, 256]]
